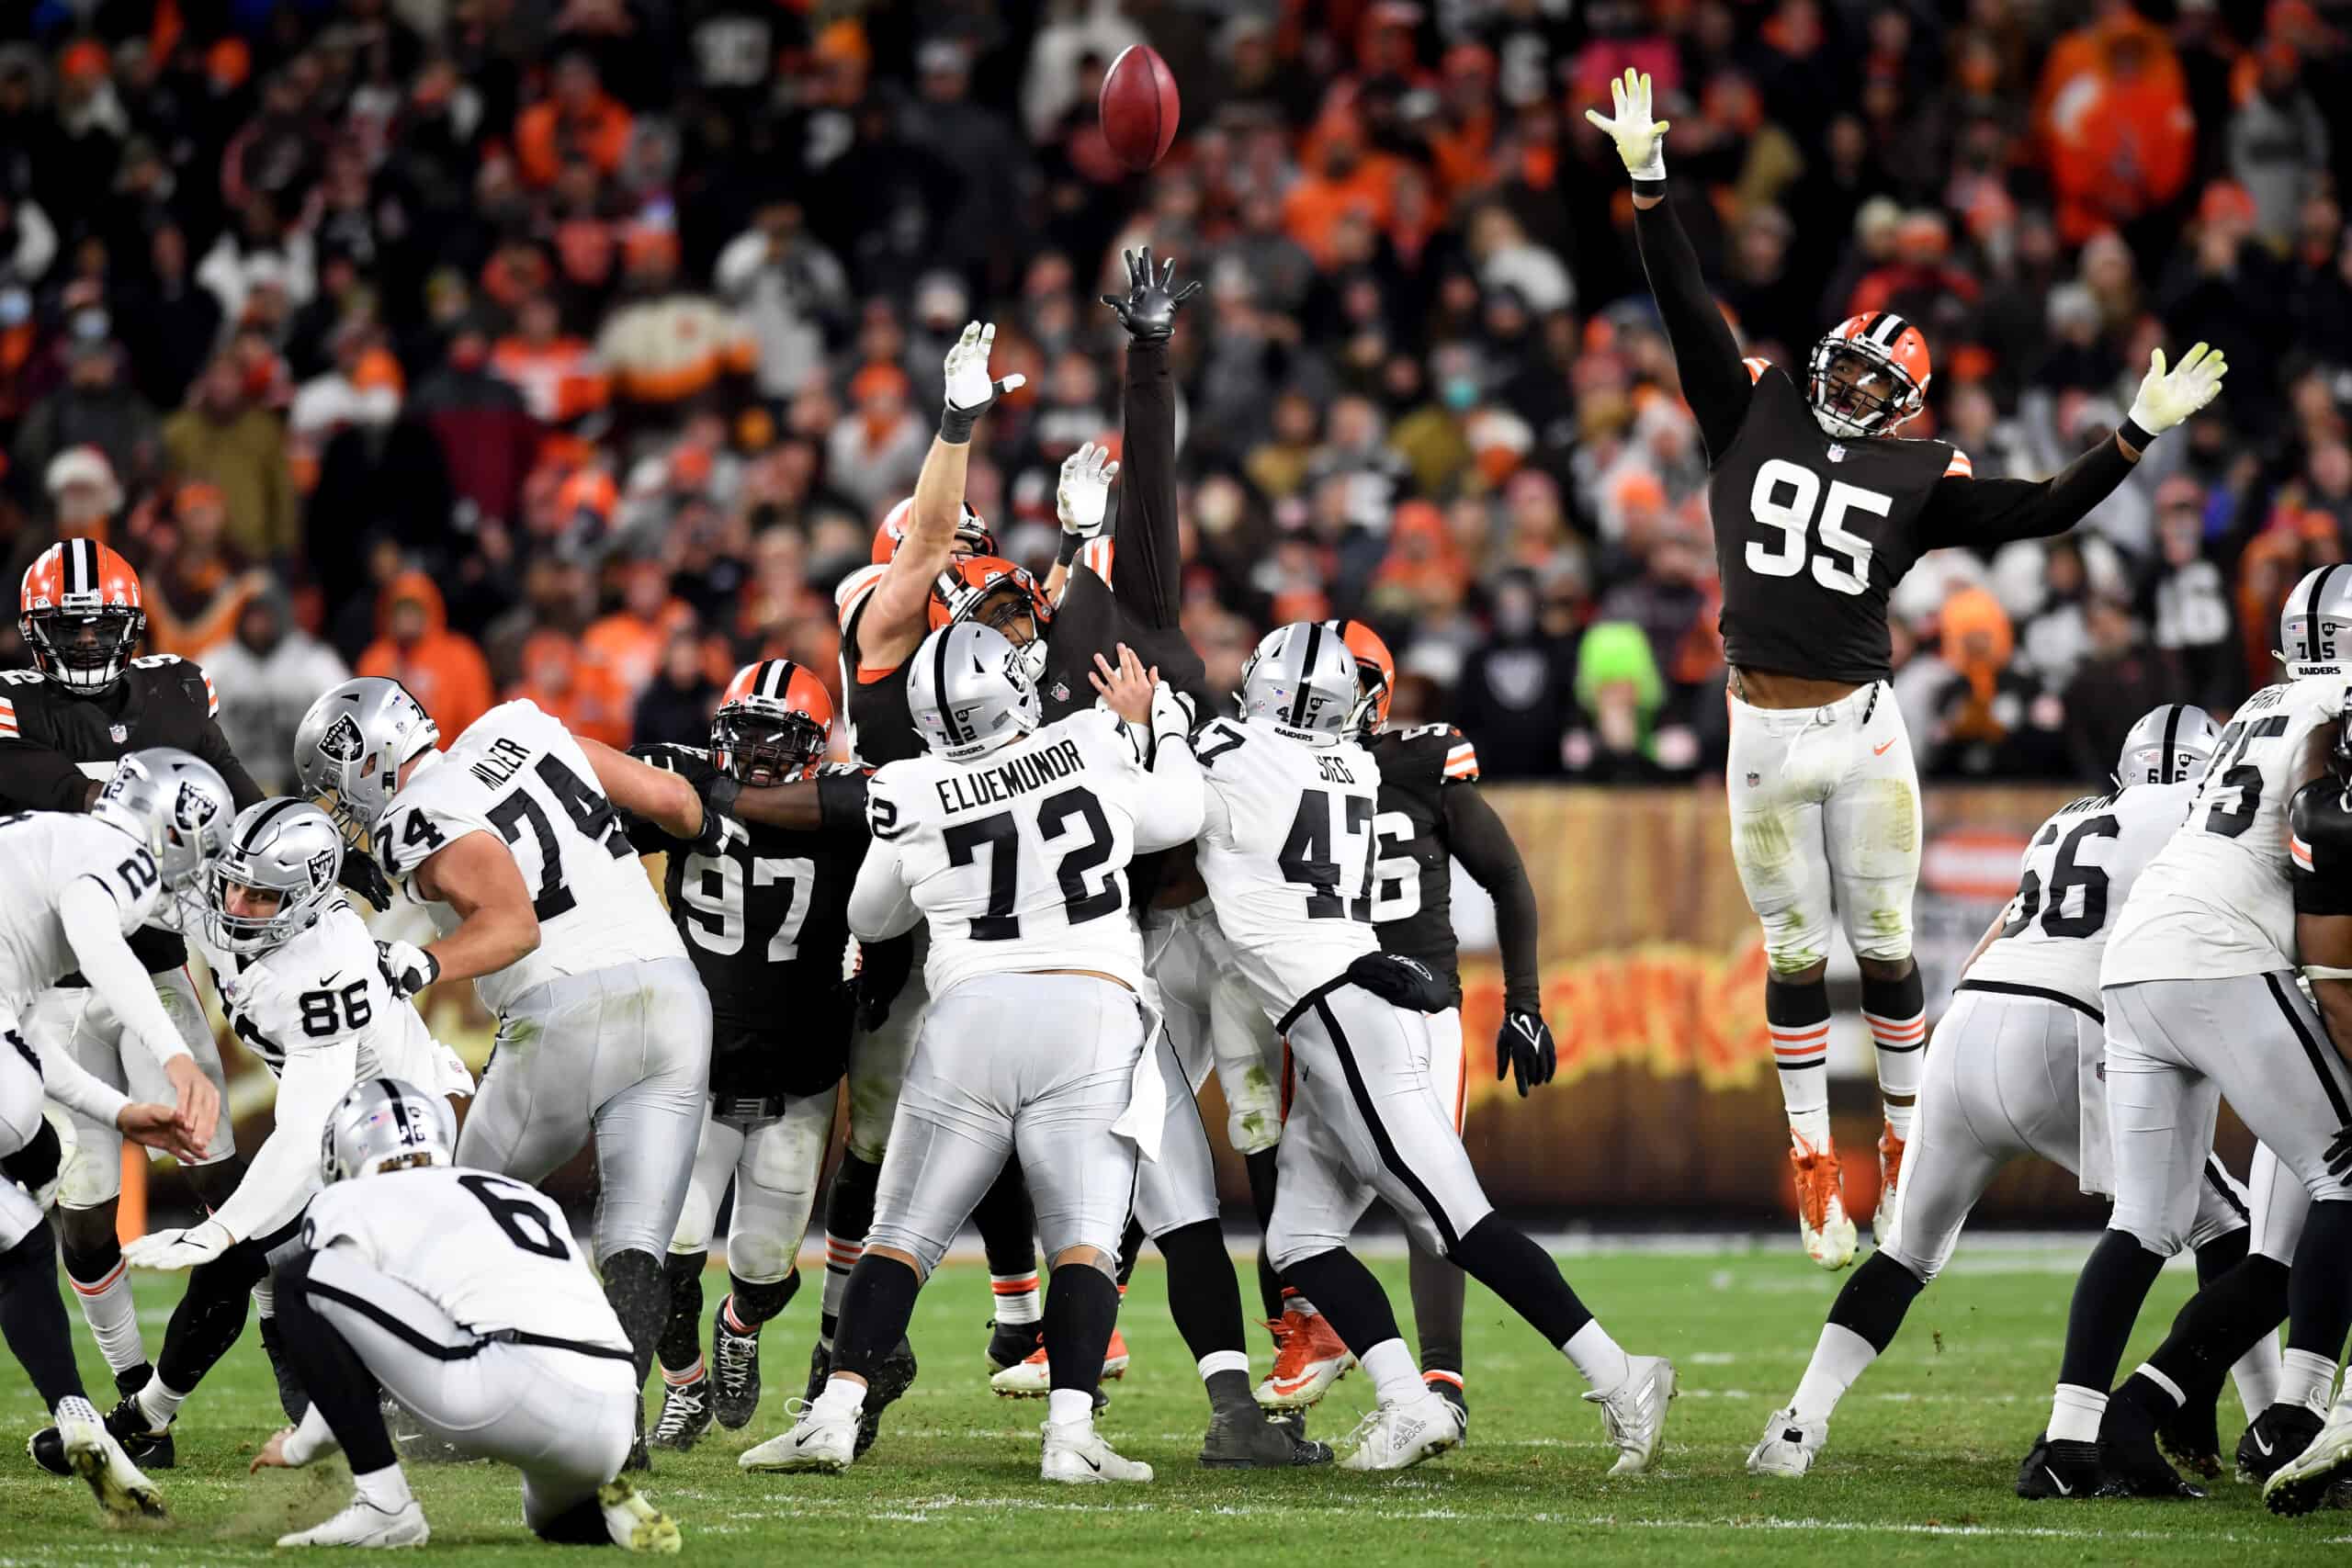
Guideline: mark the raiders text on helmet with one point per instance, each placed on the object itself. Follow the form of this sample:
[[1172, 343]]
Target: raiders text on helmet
[[2316, 622]]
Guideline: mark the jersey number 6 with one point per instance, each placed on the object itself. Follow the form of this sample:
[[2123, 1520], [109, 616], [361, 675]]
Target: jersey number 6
[[1784, 497]]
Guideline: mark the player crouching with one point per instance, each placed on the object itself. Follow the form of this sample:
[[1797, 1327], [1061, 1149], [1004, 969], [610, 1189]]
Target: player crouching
[[460, 1294]]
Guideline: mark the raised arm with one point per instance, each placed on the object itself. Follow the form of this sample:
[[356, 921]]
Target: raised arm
[[1148, 568]]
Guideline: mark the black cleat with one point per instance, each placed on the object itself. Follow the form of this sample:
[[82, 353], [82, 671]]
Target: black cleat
[[1010, 1344], [639, 1459], [130, 1380], [2277, 1435], [2191, 1437], [890, 1379], [820, 1367], [2128, 1452], [127, 1424], [735, 1369], [1245, 1437], [2059, 1470], [290, 1397], [686, 1415]]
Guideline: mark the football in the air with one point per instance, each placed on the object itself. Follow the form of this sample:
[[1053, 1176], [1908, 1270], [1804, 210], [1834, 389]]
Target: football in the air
[[1139, 107]]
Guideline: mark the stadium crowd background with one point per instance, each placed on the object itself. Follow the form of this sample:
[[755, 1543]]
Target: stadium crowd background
[[572, 348]]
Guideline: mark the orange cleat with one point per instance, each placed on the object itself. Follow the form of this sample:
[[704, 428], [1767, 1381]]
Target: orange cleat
[[1033, 1377], [1889, 1177], [1822, 1226], [1308, 1359]]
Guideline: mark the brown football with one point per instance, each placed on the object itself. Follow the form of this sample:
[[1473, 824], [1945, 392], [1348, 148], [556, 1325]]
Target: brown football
[[1139, 107]]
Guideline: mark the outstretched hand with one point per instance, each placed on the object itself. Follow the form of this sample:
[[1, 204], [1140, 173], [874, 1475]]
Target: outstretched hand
[[1148, 311], [1640, 135], [1125, 690]]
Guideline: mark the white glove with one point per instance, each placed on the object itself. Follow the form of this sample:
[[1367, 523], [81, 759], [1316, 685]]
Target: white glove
[[407, 968], [1171, 712], [2167, 397], [970, 390], [1084, 497], [170, 1250], [1641, 141]]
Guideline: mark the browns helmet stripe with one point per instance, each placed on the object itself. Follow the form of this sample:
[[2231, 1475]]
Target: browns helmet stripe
[[81, 566], [1884, 328]]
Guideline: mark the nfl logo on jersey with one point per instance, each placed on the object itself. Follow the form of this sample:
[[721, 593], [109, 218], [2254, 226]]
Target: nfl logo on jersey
[[1838, 452], [118, 733]]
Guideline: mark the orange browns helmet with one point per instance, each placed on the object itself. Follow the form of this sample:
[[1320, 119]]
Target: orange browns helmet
[[969, 580], [972, 536], [1375, 678], [1890, 386], [80, 614], [774, 724]]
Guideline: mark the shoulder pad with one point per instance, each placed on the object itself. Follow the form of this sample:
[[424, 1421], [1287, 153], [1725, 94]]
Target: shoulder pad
[[2319, 847], [409, 833], [1427, 754], [883, 819], [1959, 467], [1756, 369], [850, 594]]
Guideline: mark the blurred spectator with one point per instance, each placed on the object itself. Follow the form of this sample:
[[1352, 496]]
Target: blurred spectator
[[628, 642], [2278, 143], [83, 494], [2114, 106], [92, 408], [2122, 679], [1991, 720], [168, 322], [2184, 598], [789, 292], [1620, 691], [579, 690], [442, 669], [487, 436], [268, 673], [667, 344], [558, 374], [676, 704], [197, 584], [1517, 693], [576, 120], [874, 451], [224, 437]]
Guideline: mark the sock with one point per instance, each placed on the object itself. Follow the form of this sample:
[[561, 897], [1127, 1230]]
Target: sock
[[264, 1296], [1008, 1230], [1349, 1297], [1071, 1407], [876, 1308], [1507, 1261], [2231, 1317], [680, 1376], [342, 1389], [206, 1322], [1839, 1358], [849, 1214], [2107, 1297], [751, 1302], [1130, 1251], [1390, 1366], [1297, 1301], [32, 1319], [2306, 1378], [1260, 1168], [101, 1282], [1798, 1019], [2074, 1414], [386, 1488], [1016, 1297], [1873, 1303], [639, 1289], [1202, 1299], [2256, 1375], [1600, 1359], [1228, 1386], [1081, 1308], [1896, 1012], [160, 1402], [2319, 1289], [1440, 1291], [840, 1394], [680, 1343]]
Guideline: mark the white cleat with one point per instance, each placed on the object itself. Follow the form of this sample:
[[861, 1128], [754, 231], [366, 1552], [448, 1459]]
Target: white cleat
[[1399, 1436], [362, 1523], [635, 1524], [1788, 1446], [821, 1439], [1077, 1454], [1634, 1412], [92, 1454]]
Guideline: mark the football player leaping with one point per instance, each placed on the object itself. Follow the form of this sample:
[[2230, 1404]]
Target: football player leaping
[[79, 886], [298, 977], [1819, 511], [604, 1027], [459, 1294], [1012, 838], [1287, 848], [2014, 1069]]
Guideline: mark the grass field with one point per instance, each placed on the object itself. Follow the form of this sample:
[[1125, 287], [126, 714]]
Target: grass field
[[1917, 1469]]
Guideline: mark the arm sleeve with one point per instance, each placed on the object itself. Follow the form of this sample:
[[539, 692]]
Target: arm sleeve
[[841, 801], [1714, 383], [2319, 849], [91, 917], [881, 906], [1992, 511], [1479, 841], [1169, 805], [39, 778], [1146, 568], [277, 1183]]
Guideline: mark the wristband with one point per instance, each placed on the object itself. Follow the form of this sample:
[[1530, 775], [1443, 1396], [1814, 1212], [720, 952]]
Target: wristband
[[2133, 435], [1649, 188], [956, 425], [1067, 551]]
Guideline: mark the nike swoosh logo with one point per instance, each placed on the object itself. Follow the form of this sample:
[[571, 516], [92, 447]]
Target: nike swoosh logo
[[330, 979], [1292, 1385], [1091, 1465], [2257, 1435], [1880, 750], [2063, 1490]]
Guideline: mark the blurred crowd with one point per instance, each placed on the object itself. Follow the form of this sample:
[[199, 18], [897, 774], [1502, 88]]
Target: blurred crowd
[[572, 349]]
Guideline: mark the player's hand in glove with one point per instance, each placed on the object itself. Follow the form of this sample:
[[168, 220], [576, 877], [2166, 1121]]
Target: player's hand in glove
[[362, 876], [1148, 311], [1172, 715], [1640, 137], [179, 1249], [1084, 496], [2167, 397], [2339, 1153], [882, 971], [159, 1127], [407, 968], [969, 390], [1524, 1047], [1406, 982]]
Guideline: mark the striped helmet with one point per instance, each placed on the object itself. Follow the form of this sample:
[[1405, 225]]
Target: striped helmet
[[2170, 743], [970, 692], [972, 536], [774, 724], [1301, 681], [385, 1124], [79, 612], [282, 846], [1376, 673], [2314, 622], [1868, 375], [350, 747], [177, 806]]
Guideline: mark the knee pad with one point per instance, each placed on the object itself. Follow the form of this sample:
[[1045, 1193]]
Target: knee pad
[[764, 1259], [1796, 939], [36, 1160]]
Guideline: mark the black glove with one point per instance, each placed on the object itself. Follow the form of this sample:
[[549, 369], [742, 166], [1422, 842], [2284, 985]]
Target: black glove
[[882, 970], [2339, 1153], [1405, 982], [363, 877], [1148, 312], [1524, 1046], [840, 800]]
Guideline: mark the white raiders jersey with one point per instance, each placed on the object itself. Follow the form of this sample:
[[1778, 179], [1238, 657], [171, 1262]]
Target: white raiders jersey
[[2076, 875], [1019, 859], [488, 1250], [1286, 849], [517, 773], [2216, 901], [45, 851], [323, 988]]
